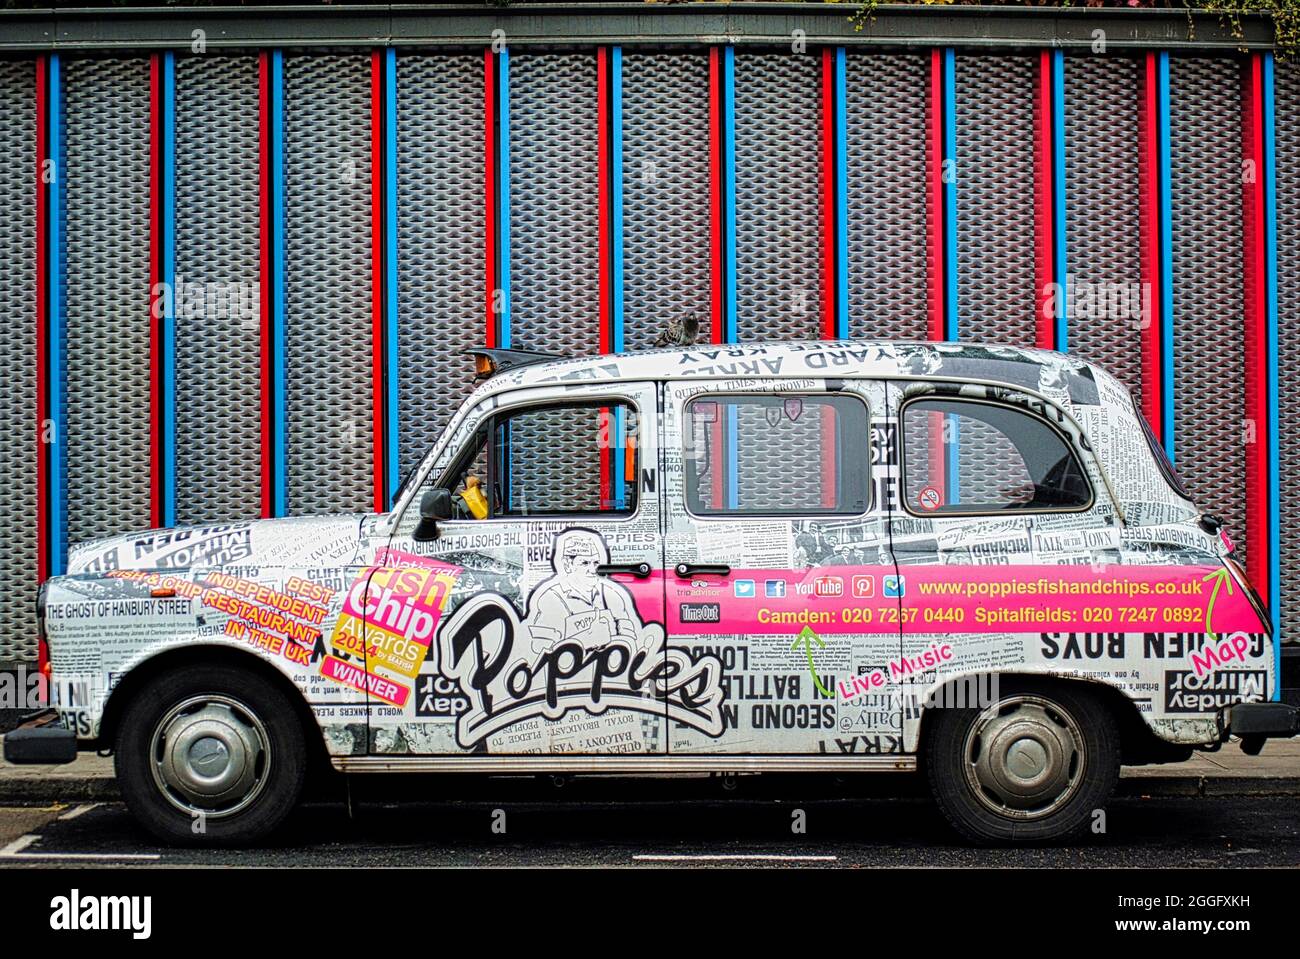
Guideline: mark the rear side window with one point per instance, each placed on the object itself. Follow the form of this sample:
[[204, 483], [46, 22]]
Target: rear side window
[[775, 455], [1162, 458], [966, 456]]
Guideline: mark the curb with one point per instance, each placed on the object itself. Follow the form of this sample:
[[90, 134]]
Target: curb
[[1207, 787], [62, 789]]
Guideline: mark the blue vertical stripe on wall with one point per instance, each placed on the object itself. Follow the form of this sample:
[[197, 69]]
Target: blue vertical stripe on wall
[[841, 197], [1166, 256], [280, 441], [167, 217], [952, 484], [1274, 585], [391, 469], [1059, 265], [503, 196], [54, 280], [617, 478]]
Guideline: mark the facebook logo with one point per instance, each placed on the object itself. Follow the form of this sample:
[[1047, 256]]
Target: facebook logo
[[774, 588], [895, 587]]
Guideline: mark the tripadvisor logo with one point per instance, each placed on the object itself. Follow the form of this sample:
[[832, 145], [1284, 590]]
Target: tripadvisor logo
[[77, 913]]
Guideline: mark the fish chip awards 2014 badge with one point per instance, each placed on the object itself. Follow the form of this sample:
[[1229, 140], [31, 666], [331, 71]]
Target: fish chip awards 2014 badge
[[388, 621]]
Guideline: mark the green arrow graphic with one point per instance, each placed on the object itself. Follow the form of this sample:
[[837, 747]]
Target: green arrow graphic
[[808, 637], [1220, 576]]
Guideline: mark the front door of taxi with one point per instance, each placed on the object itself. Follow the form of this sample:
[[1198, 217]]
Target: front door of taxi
[[778, 564], [542, 596]]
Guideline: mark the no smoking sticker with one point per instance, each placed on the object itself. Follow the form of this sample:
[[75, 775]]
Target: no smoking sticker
[[930, 498]]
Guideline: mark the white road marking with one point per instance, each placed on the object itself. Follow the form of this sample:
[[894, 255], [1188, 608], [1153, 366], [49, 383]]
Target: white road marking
[[15, 849], [79, 855], [725, 857], [19, 844]]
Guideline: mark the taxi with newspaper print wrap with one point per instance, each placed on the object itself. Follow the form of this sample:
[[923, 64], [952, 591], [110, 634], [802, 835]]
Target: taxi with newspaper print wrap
[[819, 556]]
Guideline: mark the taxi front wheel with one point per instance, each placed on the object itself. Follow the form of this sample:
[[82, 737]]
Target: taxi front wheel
[[1035, 765], [212, 756]]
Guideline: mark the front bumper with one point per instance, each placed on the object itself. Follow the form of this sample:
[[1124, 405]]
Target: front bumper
[[1256, 722], [40, 740]]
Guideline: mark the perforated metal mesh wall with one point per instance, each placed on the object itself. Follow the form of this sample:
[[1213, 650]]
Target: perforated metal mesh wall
[[666, 226], [218, 322], [18, 357], [106, 297], [1209, 365], [885, 112], [779, 467], [1102, 203], [441, 207], [1286, 95], [778, 196], [327, 283], [554, 203], [995, 199]]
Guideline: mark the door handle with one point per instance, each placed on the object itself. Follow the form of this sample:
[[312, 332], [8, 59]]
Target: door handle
[[687, 570], [639, 570]]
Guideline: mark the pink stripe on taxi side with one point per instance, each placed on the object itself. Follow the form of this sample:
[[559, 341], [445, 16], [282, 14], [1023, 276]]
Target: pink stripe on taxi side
[[962, 599]]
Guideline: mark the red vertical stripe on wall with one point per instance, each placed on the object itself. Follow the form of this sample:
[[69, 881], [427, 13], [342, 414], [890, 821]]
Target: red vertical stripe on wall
[[377, 266], [605, 334], [602, 189], [155, 277], [490, 190], [829, 471], [828, 194], [717, 434], [267, 282], [1255, 318], [935, 211], [1045, 194], [715, 198], [43, 384], [1149, 228]]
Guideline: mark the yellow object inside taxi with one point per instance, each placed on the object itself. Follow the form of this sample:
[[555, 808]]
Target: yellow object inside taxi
[[474, 498]]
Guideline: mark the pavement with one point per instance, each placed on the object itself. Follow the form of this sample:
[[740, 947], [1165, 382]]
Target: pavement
[[1226, 773]]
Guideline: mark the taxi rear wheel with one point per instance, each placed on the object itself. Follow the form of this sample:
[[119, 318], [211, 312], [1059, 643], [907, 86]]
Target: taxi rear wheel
[[212, 756], [1033, 766]]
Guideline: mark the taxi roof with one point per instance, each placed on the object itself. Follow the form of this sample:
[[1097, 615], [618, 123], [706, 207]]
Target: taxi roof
[[803, 359]]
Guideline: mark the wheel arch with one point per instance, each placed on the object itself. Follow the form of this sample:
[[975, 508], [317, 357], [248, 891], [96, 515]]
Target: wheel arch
[[191, 657], [1139, 742]]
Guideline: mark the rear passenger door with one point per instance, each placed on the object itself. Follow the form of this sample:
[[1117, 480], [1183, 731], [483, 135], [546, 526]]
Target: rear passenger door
[[776, 555], [1002, 527]]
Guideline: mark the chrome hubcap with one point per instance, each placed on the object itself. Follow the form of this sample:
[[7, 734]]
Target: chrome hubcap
[[1024, 757], [210, 756]]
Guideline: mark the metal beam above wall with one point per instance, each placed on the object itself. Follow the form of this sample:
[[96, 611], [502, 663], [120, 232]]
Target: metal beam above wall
[[628, 24]]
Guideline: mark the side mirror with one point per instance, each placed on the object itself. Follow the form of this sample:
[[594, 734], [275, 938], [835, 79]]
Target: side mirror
[[434, 505]]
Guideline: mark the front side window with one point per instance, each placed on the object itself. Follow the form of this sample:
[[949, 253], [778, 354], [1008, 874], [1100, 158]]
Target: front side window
[[775, 455], [554, 460], [966, 456]]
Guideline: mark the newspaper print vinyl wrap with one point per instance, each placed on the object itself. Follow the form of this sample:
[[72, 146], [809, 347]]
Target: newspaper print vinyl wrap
[[825, 637]]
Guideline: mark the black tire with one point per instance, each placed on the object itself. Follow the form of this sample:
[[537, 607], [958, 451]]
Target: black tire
[[260, 712], [1074, 716]]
